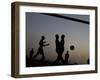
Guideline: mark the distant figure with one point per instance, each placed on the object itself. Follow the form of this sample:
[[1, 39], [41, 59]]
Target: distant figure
[[40, 49], [57, 44], [59, 48], [66, 57], [30, 59], [62, 44], [88, 62], [31, 53]]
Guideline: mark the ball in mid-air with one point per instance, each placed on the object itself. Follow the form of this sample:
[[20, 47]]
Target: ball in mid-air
[[72, 47]]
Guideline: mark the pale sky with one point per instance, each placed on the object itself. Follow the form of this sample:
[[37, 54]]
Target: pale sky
[[76, 34]]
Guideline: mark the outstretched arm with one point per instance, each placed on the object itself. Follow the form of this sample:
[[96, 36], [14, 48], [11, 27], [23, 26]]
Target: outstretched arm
[[46, 44], [44, 41]]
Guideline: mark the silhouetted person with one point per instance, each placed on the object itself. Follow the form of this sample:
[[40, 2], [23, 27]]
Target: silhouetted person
[[31, 53], [40, 49], [66, 57], [59, 48], [62, 44], [88, 61], [30, 59], [57, 43]]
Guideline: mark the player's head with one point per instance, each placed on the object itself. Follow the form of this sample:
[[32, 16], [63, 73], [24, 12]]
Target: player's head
[[42, 37], [57, 36], [62, 36]]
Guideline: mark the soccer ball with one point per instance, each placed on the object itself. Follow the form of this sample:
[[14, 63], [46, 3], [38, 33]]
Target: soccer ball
[[72, 47]]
